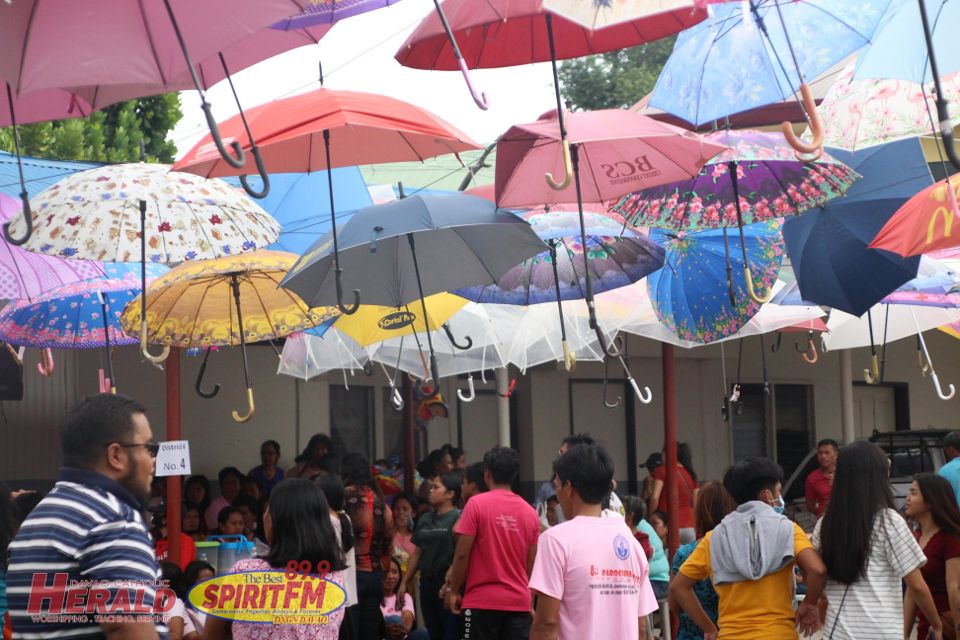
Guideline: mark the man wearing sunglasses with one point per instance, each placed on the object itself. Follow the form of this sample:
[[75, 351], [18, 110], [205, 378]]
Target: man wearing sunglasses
[[90, 530]]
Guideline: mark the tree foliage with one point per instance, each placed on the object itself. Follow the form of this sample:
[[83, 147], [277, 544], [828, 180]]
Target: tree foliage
[[614, 80], [112, 134]]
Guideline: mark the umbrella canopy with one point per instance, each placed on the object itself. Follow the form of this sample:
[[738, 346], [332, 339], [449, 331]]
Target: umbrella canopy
[[95, 214], [619, 152], [601, 15], [771, 180], [360, 128], [373, 323], [829, 247], [326, 12], [924, 223], [460, 241], [890, 321], [615, 254], [503, 33], [863, 113], [745, 55], [193, 304], [307, 356], [690, 293], [70, 317]]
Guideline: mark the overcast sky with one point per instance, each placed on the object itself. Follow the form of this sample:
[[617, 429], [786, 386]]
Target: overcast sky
[[357, 54]]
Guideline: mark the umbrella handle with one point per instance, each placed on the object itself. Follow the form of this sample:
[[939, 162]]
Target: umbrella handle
[[567, 167], [436, 381], [752, 292], [473, 394], [569, 358], [250, 408], [946, 133], [263, 176], [199, 383], [396, 400], [235, 162], [478, 96], [464, 347], [813, 149], [776, 345], [46, 366], [936, 384], [810, 355], [646, 397], [143, 347], [872, 375], [27, 219], [356, 297]]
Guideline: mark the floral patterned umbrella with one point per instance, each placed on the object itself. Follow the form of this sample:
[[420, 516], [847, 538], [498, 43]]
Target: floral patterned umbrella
[[689, 294], [771, 181]]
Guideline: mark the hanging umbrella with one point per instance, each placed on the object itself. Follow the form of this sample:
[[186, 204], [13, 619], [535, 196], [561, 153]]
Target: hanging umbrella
[[830, 247], [307, 356], [621, 151], [118, 51], [759, 52], [224, 302], [863, 113], [689, 293], [603, 14], [327, 12], [373, 323], [924, 223], [926, 50], [408, 249], [145, 212], [306, 132]]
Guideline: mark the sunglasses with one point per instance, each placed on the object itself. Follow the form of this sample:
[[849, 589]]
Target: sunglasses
[[152, 447]]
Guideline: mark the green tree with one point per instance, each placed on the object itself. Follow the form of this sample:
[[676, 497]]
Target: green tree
[[617, 79], [112, 134]]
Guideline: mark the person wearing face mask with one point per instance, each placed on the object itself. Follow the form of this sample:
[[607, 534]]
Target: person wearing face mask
[[750, 558]]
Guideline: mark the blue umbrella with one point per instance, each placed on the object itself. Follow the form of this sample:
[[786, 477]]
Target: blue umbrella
[[690, 293], [300, 203], [828, 246], [736, 61]]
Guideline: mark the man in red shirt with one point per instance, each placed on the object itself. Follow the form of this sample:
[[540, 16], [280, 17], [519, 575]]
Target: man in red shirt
[[820, 481], [495, 551]]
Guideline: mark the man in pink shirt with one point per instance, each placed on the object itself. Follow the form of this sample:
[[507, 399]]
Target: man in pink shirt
[[590, 576], [497, 544]]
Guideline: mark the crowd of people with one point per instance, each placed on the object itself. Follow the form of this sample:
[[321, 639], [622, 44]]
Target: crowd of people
[[467, 557]]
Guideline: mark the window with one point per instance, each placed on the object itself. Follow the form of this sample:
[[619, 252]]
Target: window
[[779, 425], [351, 419]]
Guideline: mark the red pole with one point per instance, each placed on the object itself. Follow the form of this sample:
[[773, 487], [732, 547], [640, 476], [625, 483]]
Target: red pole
[[670, 447], [408, 430], [173, 433]]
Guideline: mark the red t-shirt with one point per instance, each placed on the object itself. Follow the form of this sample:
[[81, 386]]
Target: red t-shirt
[[188, 551], [940, 548], [504, 527], [817, 490], [685, 486]]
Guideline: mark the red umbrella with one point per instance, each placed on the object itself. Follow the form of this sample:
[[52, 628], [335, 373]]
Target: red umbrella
[[927, 222], [621, 151], [296, 135]]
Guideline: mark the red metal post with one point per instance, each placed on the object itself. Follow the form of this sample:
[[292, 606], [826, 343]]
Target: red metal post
[[408, 436], [670, 447], [173, 433]]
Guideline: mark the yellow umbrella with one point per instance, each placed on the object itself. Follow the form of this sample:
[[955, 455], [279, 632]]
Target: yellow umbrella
[[373, 323], [224, 302]]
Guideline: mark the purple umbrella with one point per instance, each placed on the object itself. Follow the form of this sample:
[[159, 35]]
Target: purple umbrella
[[322, 12]]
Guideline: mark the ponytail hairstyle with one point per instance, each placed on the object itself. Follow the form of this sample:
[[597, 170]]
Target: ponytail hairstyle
[[332, 488]]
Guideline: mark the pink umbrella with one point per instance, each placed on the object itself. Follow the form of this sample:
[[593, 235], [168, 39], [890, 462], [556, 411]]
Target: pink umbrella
[[621, 151]]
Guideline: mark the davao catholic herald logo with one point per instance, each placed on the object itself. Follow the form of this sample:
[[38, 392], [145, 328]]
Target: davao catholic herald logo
[[639, 169], [397, 320]]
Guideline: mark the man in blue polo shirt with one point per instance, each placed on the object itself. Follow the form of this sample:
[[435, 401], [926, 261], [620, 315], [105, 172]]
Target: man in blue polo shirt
[[89, 530], [951, 470]]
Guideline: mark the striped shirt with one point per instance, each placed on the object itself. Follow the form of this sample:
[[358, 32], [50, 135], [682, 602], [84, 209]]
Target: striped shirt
[[88, 528], [872, 607]]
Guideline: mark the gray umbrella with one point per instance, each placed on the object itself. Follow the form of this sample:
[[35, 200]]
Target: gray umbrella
[[415, 247]]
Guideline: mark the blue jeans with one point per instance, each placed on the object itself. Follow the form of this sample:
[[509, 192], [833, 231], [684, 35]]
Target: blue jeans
[[440, 622]]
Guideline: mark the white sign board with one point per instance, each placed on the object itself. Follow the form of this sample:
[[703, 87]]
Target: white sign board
[[173, 458]]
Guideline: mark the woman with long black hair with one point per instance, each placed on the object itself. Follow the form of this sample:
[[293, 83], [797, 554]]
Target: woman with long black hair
[[298, 528], [334, 491], [868, 549], [932, 504]]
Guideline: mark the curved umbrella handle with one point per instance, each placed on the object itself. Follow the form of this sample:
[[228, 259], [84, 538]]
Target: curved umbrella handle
[[776, 345], [143, 347], [473, 394], [464, 347], [479, 97], [27, 219], [250, 408], [946, 132], [569, 357], [810, 355], [872, 375], [567, 167], [936, 384], [46, 366], [646, 397], [753, 292], [615, 348], [606, 403], [396, 400], [804, 151], [263, 176], [235, 162], [356, 297], [199, 383], [436, 381]]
